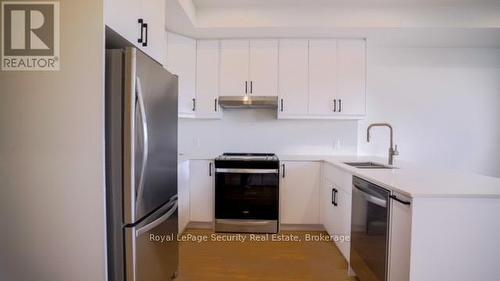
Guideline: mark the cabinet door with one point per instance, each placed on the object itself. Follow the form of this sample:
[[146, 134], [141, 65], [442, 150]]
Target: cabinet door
[[122, 16], [293, 77], [201, 191], [207, 79], [183, 193], [153, 12], [343, 222], [400, 240], [329, 212], [300, 193], [322, 76], [234, 63], [181, 60], [352, 76], [263, 67]]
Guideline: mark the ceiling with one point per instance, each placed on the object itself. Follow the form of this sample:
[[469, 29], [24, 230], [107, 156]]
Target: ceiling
[[406, 22]]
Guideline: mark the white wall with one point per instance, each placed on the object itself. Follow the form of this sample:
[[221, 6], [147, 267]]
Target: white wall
[[258, 130], [443, 103], [52, 159]]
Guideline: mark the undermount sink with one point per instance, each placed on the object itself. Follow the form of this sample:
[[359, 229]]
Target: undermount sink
[[368, 165]]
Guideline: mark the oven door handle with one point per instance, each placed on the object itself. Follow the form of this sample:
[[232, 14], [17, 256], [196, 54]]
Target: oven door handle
[[247, 171]]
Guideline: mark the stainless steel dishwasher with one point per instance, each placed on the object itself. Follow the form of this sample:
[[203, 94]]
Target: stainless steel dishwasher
[[369, 230]]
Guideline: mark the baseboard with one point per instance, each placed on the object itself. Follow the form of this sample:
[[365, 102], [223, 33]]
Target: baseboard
[[283, 227], [302, 227], [200, 225]]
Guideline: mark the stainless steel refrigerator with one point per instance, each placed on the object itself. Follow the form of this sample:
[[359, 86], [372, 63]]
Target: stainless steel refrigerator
[[141, 167]]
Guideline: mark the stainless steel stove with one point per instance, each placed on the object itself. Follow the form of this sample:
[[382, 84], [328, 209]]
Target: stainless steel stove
[[247, 193]]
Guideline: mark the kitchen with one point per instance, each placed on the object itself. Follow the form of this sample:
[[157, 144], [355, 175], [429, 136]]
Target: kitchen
[[279, 95]]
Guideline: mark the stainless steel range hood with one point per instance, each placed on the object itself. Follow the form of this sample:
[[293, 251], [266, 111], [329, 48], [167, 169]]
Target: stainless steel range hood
[[248, 102]]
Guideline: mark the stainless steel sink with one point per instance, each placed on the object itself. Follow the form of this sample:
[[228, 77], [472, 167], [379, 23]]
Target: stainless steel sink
[[368, 165]]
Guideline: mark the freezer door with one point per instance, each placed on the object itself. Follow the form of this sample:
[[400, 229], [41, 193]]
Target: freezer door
[[150, 136], [151, 247]]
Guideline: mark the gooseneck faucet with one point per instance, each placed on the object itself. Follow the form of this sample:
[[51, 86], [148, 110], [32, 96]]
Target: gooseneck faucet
[[393, 150]]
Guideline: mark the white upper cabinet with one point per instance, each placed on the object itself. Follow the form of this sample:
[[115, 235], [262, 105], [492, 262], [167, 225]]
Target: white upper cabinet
[[234, 64], [181, 60], [154, 18], [352, 76], [122, 16], [248, 67], [314, 79], [263, 77], [142, 22], [337, 78], [293, 77], [299, 192], [207, 79], [322, 76]]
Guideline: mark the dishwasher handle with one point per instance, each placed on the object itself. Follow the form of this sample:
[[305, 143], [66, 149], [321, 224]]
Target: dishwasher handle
[[399, 200], [371, 197]]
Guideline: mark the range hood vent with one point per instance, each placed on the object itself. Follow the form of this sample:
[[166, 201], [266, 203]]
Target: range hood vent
[[248, 102]]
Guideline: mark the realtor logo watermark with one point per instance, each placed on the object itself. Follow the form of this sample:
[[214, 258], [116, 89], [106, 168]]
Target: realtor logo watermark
[[30, 36]]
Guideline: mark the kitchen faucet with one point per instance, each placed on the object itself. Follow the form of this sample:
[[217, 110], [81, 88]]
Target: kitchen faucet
[[393, 151]]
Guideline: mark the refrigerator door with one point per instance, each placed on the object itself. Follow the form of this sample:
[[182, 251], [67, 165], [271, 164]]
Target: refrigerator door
[[150, 136], [151, 247]]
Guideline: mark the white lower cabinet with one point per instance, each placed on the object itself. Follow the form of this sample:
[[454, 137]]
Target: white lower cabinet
[[336, 206], [343, 226], [400, 239], [183, 194], [299, 192], [336, 215], [201, 191]]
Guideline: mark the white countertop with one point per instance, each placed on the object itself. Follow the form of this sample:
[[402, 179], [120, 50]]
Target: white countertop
[[408, 179], [412, 180]]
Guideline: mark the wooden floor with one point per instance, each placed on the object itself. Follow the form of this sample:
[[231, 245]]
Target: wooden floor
[[262, 261]]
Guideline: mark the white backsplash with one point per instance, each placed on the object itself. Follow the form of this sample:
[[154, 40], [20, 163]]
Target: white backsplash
[[258, 130]]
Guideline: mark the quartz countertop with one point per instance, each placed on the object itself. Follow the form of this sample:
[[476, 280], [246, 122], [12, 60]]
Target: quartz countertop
[[412, 180]]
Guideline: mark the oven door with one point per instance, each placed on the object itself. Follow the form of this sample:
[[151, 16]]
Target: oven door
[[246, 198]]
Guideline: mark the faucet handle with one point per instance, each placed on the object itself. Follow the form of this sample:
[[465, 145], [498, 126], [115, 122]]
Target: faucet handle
[[395, 152]]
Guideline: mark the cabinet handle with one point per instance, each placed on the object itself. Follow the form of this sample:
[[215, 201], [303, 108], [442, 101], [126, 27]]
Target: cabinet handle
[[141, 26], [340, 105], [283, 166], [210, 169], [399, 200], [194, 104], [215, 105], [145, 43], [246, 87], [334, 196], [251, 87], [281, 105], [334, 105]]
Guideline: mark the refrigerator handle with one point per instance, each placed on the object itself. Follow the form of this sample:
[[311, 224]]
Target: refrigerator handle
[[172, 208], [129, 135], [130, 253], [144, 124]]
